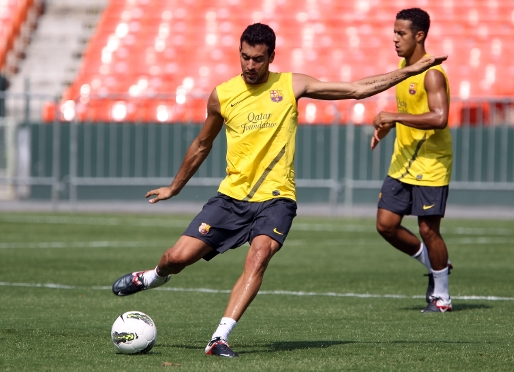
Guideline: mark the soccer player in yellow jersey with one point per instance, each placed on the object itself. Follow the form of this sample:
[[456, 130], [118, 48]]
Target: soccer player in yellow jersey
[[421, 165], [256, 202]]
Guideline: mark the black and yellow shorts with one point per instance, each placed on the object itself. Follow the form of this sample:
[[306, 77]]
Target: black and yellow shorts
[[405, 199], [225, 223]]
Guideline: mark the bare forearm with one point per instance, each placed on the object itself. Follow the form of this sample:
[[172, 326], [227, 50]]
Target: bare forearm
[[356, 90], [375, 84], [426, 121], [307, 86], [194, 157]]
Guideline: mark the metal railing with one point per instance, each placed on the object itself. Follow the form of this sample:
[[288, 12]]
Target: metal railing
[[57, 159]]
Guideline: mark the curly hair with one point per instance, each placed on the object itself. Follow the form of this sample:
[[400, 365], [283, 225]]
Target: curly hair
[[420, 20], [259, 33]]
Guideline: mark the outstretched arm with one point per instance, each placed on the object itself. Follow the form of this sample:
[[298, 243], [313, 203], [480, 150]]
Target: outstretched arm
[[196, 153], [307, 86]]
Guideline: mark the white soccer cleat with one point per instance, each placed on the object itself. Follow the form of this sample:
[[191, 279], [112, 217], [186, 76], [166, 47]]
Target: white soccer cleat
[[438, 305]]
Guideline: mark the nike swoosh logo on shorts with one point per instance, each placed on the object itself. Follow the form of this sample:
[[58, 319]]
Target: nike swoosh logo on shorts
[[277, 232], [425, 207]]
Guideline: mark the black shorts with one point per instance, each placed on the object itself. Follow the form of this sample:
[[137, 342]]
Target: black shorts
[[405, 199], [226, 223]]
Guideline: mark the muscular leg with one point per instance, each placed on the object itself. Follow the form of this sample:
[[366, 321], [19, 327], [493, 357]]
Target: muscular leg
[[438, 255], [244, 291], [389, 226], [248, 284], [429, 227], [185, 252]]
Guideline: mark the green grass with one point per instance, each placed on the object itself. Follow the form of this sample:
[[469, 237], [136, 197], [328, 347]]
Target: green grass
[[57, 308]]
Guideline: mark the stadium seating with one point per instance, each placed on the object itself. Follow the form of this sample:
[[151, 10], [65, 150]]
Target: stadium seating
[[13, 14], [153, 60]]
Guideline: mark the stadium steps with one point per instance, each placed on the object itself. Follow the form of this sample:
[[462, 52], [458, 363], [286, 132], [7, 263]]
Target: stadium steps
[[17, 20], [55, 51]]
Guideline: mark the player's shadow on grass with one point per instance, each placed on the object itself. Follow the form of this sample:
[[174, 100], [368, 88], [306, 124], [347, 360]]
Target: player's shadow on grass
[[464, 307], [456, 307], [274, 346], [412, 342], [294, 345], [182, 346]]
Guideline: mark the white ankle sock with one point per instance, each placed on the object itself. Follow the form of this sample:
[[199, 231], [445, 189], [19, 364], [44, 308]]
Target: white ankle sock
[[152, 279], [224, 328], [422, 256], [441, 284]]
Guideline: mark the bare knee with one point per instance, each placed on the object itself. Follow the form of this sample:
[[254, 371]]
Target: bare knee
[[425, 231], [258, 258], [385, 228], [388, 223], [174, 260], [185, 252], [429, 230], [260, 254]]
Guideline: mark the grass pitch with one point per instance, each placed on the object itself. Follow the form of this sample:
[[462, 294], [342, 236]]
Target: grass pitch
[[335, 298]]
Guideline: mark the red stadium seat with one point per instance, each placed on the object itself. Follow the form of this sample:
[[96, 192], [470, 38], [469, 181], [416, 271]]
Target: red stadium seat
[[171, 42], [12, 16]]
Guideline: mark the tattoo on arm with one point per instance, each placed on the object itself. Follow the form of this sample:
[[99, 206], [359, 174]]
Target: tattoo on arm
[[380, 85], [383, 82]]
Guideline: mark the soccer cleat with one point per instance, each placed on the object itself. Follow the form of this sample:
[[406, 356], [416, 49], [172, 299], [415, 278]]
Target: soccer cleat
[[438, 306], [219, 347], [129, 284], [430, 289], [132, 283]]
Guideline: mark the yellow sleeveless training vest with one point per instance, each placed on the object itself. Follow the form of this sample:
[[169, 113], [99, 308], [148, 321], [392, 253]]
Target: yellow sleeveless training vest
[[261, 122], [420, 157]]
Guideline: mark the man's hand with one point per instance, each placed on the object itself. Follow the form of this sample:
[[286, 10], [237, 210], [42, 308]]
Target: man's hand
[[380, 133], [161, 193], [384, 119], [426, 62], [383, 123]]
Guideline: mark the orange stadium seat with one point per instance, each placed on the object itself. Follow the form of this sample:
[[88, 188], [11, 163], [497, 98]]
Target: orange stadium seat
[[12, 16], [148, 51]]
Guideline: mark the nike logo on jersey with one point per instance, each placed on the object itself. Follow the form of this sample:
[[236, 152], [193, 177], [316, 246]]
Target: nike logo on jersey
[[425, 207], [235, 103], [277, 232]]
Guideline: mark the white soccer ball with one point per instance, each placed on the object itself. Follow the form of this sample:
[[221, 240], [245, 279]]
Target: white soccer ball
[[133, 332]]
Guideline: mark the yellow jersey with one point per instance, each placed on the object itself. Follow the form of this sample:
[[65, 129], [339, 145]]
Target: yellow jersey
[[261, 122], [420, 157]]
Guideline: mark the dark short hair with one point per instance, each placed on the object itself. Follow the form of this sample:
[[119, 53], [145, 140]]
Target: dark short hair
[[420, 20], [259, 33]]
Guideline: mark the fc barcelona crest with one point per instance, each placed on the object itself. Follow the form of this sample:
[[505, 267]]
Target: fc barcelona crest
[[276, 95], [412, 88], [204, 228]]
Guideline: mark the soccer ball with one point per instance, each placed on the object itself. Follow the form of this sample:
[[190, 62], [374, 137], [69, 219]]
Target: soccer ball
[[133, 332]]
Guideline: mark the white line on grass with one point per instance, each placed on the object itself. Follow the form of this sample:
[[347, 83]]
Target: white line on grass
[[277, 293], [120, 244], [290, 243], [96, 221], [95, 244], [173, 223]]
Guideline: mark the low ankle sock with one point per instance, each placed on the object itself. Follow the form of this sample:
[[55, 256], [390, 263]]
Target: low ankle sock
[[422, 256], [152, 279], [224, 328]]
